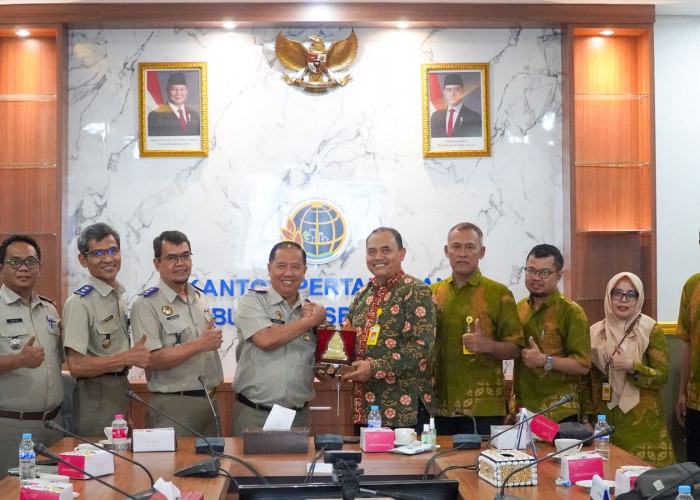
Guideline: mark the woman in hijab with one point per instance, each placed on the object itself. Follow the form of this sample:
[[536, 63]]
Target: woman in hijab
[[630, 357]]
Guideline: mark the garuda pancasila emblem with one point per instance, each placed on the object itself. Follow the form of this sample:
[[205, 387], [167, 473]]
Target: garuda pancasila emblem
[[317, 62]]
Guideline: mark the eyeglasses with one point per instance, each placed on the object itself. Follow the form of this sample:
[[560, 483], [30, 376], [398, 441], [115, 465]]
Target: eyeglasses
[[544, 273], [101, 253], [173, 259], [617, 294], [16, 262]]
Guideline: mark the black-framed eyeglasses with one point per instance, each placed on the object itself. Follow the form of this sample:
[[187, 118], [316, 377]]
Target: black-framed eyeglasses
[[16, 262], [544, 273], [173, 259], [101, 253], [617, 294]]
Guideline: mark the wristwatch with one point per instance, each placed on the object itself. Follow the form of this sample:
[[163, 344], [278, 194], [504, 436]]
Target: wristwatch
[[548, 363]]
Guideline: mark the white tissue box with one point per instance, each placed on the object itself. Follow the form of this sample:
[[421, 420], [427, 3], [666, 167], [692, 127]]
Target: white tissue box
[[95, 462], [507, 440], [162, 439]]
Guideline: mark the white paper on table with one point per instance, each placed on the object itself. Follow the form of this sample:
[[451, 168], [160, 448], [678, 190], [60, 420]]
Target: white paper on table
[[599, 491], [279, 419]]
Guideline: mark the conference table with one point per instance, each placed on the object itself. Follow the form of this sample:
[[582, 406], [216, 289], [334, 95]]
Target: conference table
[[293, 468]]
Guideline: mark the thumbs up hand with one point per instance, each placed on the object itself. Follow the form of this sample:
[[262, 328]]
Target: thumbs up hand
[[477, 342], [31, 356], [532, 356]]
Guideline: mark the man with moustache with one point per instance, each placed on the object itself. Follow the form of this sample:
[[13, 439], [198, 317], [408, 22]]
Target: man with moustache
[[557, 356], [97, 341], [31, 389], [477, 328], [276, 344], [176, 318], [395, 317]]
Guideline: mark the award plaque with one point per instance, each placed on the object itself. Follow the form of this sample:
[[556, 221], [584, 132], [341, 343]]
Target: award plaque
[[335, 347]]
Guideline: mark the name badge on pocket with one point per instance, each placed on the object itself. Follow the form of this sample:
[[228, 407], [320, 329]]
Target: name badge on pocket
[[373, 335]]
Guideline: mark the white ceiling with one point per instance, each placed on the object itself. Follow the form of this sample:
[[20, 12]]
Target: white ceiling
[[663, 7]]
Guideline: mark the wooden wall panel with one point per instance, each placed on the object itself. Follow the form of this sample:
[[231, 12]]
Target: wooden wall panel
[[28, 132], [28, 65], [28, 203]]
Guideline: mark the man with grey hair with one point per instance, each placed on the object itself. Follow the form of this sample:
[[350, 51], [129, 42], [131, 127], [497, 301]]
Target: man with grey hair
[[97, 343]]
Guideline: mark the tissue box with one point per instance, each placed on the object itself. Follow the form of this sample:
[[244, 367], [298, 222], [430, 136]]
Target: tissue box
[[153, 439], [46, 490], [97, 463], [507, 440], [376, 439], [257, 441], [495, 465], [581, 466], [626, 476]]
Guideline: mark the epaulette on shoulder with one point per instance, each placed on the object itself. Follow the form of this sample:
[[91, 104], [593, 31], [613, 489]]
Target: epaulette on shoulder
[[149, 291], [261, 291], [197, 288], [45, 299], [84, 290]]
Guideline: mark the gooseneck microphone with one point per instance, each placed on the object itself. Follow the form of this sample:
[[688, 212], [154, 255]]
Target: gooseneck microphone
[[217, 443], [144, 494], [205, 468], [501, 495], [40, 449]]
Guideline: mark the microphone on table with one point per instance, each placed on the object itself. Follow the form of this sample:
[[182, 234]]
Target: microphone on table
[[501, 494], [40, 449], [49, 424], [217, 443], [205, 468]]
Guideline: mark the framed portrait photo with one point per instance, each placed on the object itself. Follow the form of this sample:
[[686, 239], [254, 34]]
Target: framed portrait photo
[[173, 118], [456, 110]]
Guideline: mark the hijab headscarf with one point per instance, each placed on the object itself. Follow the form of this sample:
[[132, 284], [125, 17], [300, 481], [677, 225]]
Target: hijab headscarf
[[607, 334]]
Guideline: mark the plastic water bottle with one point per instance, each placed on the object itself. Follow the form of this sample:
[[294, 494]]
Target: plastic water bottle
[[684, 493], [425, 436], [602, 444], [119, 431], [374, 419], [27, 458]]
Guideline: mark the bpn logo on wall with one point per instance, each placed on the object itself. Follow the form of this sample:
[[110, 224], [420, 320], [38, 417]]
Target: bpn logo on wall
[[319, 227]]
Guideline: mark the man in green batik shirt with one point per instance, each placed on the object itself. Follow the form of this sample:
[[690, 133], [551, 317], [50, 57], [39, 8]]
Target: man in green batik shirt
[[395, 317], [478, 327], [688, 330], [557, 356]]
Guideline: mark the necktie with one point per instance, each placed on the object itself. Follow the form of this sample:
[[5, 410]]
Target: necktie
[[449, 122], [184, 123]]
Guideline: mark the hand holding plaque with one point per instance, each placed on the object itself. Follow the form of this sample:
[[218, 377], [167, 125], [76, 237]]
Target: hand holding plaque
[[335, 348]]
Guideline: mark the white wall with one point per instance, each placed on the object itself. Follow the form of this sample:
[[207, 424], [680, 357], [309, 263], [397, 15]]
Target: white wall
[[677, 75]]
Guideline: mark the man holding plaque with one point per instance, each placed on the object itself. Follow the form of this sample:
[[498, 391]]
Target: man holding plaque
[[478, 328], [557, 356], [276, 344], [395, 317]]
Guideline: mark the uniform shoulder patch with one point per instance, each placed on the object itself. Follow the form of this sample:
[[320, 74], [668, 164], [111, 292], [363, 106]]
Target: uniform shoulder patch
[[45, 299], [197, 288], [84, 290], [149, 291], [259, 289]]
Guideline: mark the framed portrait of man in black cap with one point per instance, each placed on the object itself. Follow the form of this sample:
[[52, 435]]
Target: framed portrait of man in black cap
[[456, 110], [173, 109]]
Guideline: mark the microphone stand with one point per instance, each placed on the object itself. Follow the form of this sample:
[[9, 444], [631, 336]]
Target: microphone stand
[[40, 449], [501, 495], [205, 468], [217, 443], [144, 494]]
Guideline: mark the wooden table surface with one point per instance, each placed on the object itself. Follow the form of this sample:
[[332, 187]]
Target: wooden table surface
[[163, 464]]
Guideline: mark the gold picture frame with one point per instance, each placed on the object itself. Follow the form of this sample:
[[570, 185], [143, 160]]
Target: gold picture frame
[[467, 133], [173, 111]]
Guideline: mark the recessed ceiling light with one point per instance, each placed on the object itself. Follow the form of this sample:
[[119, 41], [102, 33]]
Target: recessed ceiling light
[[22, 33], [229, 25], [403, 25], [607, 32]]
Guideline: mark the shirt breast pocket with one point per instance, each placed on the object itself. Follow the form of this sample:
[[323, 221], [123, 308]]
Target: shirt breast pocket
[[14, 336], [175, 334]]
